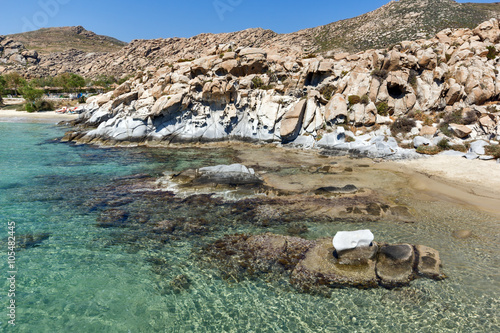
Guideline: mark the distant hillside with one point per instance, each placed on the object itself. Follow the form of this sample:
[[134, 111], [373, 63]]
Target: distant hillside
[[49, 40], [394, 22]]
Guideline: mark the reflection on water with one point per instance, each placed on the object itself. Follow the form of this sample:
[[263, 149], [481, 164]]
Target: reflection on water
[[85, 278]]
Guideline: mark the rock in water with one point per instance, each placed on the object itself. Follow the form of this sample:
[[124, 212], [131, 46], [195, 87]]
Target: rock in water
[[429, 263], [345, 240], [337, 190], [313, 267], [234, 174], [462, 234], [395, 265], [321, 268]]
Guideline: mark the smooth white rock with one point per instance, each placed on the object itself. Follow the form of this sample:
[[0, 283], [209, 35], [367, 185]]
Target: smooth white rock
[[345, 240]]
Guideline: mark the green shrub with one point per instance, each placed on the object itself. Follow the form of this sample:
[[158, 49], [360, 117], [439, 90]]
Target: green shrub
[[349, 139], [493, 150], [428, 150], [39, 105], [379, 74], [257, 82], [310, 56], [454, 117], [402, 125], [365, 100], [444, 144], [492, 52], [444, 128], [470, 118], [327, 91], [124, 79], [354, 99], [461, 148], [382, 108], [31, 94]]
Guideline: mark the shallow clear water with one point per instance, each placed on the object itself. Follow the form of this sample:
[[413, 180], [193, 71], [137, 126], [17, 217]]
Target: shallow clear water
[[89, 279]]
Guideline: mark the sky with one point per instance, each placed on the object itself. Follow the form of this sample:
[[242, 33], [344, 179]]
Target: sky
[[146, 19]]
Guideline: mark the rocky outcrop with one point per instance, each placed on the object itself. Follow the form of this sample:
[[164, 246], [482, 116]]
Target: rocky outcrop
[[14, 53], [314, 265], [254, 94]]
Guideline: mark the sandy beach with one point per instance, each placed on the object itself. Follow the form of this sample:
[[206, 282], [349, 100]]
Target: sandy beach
[[469, 182], [34, 117]]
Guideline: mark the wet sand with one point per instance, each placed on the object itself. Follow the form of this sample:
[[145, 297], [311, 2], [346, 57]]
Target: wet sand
[[34, 117], [475, 184]]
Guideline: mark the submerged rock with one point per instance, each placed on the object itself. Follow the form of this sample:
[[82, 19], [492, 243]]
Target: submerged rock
[[31, 240], [234, 174], [337, 190], [462, 234], [180, 283]]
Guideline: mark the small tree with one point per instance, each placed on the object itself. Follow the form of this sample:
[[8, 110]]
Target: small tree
[[32, 97], [69, 81], [2, 88], [14, 80]]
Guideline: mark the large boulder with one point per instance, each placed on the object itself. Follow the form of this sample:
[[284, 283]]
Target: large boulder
[[336, 109], [488, 31], [125, 99], [167, 105], [122, 89], [461, 131], [292, 121]]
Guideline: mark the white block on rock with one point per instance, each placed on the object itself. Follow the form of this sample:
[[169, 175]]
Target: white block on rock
[[346, 240]]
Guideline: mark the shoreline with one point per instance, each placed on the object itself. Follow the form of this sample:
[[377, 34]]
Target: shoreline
[[455, 179], [13, 116], [450, 178]]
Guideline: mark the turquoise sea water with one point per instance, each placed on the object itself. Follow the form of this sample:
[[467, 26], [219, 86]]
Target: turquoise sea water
[[84, 278]]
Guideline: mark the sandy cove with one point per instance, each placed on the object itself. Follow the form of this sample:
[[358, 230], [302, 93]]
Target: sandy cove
[[468, 182], [34, 117]]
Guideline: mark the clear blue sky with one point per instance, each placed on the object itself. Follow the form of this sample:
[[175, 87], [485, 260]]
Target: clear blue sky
[[147, 19]]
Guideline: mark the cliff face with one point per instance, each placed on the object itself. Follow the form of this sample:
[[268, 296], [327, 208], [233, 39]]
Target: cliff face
[[253, 94]]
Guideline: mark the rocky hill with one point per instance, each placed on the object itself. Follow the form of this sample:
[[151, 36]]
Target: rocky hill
[[49, 40], [90, 54], [394, 22], [416, 93]]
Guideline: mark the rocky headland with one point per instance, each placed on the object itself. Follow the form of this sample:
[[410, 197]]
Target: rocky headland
[[374, 103]]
